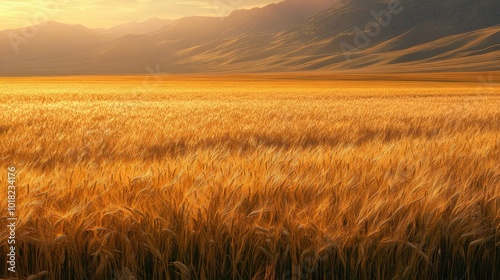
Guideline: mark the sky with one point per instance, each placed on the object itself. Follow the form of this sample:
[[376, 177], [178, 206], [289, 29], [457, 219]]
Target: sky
[[107, 13]]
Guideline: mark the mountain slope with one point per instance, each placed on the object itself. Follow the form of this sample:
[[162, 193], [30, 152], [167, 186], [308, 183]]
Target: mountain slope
[[136, 28], [361, 34], [48, 48], [294, 35]]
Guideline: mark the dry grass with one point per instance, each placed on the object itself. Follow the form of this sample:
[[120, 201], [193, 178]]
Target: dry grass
[[276, 179]]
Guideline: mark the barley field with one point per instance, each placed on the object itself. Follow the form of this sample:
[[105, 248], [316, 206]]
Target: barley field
[[260, 178]]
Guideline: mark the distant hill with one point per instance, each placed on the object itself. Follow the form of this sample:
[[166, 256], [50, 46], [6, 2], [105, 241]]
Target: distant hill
[[294, 35], [48, 48], [136, 28]]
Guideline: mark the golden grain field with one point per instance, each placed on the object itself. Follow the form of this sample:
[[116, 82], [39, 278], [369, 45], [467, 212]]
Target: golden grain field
[[248, 178]]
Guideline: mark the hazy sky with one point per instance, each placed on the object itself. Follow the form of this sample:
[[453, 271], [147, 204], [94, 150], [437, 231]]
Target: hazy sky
[[105, 13]]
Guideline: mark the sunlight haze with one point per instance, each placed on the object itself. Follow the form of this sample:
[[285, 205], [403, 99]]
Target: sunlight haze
[[106, 13]]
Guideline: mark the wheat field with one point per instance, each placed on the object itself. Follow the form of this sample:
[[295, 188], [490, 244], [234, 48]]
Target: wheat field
[[252, 178]]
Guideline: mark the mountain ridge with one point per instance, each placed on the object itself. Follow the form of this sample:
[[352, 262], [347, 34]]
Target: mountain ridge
[[344, 35]]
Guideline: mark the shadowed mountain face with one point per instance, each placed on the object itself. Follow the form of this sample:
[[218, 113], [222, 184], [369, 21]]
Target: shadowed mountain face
[[455, 15], [294, 35]]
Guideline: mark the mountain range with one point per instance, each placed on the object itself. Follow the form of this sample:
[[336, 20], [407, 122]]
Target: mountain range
[[293, 35], [135, 28]]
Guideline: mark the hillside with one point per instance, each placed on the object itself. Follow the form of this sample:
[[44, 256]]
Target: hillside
[[294, 35]]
